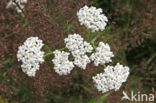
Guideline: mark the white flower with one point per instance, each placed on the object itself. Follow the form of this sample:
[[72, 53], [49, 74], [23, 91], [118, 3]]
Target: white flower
[[62, 65], [31, 55], [76, 44], [19, 4], [82, 61], [78, 47], [102, 55], [112, 78], [92, 18]]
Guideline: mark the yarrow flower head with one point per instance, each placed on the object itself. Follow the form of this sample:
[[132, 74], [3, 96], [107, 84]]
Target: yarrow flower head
[[82, 61], [102, 55], [112, 78], [78, 47], [62, 65], [31, 55], [92, 18], [19, 4]]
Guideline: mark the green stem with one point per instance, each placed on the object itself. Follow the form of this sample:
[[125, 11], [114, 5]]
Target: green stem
[[104, 66], [62, 49], [89, 36], [51, 52], [151, 59], [47, 54], [94, 39]]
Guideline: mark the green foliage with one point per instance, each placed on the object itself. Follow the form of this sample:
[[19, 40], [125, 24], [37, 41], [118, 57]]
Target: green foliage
[[24, 95], [7, 60], [102, 99], [2, 100]]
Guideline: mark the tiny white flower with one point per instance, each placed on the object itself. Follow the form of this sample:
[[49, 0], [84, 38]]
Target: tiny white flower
[[102, 55], [62, 65], [82, 61], [31, 55], [112, 78], [92, 18], [78, 47]]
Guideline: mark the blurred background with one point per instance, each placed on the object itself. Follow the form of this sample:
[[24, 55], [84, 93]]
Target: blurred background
[[131, 33]]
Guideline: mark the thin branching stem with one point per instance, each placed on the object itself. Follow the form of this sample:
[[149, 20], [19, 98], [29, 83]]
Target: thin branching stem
[[51, 52]]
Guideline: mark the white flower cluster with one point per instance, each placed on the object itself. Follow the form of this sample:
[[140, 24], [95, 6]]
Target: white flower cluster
[[92, 18], [62, 65], [78, 47], [112, 78], [102, 55], [31, 55], [82, 61], [19, 4]]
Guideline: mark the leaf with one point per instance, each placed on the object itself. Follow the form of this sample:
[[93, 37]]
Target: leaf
[[100, 100]]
